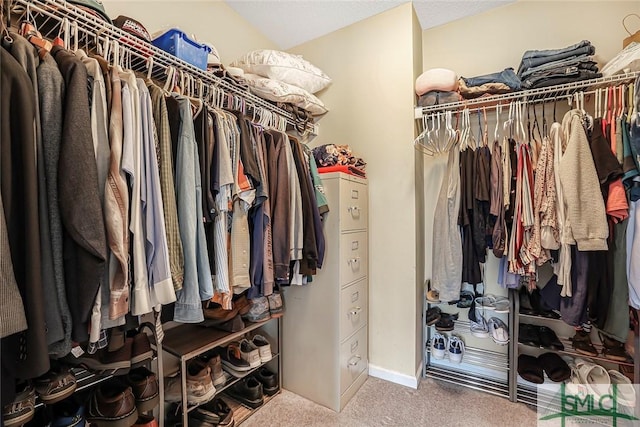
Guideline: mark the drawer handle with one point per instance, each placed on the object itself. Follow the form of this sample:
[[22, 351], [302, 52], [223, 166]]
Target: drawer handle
[[355, 360], [355, 211], [355, 194], [354, 261], [355, 311]]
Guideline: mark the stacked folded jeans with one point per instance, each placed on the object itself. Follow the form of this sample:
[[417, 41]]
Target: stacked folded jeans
[[504, 81], [542, 68]]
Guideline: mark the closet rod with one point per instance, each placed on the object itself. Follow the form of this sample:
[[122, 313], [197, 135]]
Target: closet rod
[[529, 96], [94, 28]]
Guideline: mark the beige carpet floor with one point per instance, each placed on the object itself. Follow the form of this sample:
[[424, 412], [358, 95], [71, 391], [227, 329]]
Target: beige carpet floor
[[381, 403]]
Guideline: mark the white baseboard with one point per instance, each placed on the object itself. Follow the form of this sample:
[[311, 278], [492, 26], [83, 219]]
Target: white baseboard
[[395, 377]]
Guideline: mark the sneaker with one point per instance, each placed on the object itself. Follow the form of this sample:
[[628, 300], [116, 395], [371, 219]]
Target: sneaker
[[276, 305], [56, 385], [250, 353], [232, 358], [480, 327], [199, 385], [22, 409], [247, 391], [455, 349], [438, 346], [215, 365], [112, 403], [144, 385], [259, 311], [264, 347], [499, 331], [67, 413]]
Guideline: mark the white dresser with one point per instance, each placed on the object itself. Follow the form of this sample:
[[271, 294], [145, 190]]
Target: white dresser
[[325, 326]]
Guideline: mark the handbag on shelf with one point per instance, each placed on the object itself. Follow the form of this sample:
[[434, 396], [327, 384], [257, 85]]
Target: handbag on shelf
[[635, 37]]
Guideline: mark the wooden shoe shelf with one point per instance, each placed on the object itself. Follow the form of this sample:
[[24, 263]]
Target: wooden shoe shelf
[[187, 341]]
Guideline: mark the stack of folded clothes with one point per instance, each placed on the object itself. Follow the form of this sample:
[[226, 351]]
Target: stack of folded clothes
[[504, 81], [542, 68], [338, 158], [437, 86]]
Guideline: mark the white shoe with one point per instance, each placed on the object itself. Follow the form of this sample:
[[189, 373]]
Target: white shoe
[[438, 346], [264, 348], [480, 328], [455, 349], [499, 331], [594, 376], [502, 304], [626, 393]]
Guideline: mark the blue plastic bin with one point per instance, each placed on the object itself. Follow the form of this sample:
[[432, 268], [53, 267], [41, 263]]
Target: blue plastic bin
[[178, 44]]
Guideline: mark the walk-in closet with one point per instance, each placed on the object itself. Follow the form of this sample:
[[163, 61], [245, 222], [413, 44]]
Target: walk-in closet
[[325, 213]]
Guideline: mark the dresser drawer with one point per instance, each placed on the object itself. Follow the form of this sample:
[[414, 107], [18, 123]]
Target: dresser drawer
[[354, 203], [353, 257], [353, 308], [353, 359]]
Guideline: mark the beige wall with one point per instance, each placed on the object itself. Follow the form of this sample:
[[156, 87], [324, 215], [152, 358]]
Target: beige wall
[[497, 39], [211, 21], [370, 103]]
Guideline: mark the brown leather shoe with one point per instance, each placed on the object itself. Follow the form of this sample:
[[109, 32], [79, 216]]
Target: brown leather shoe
[[112, 404], [613, 349], [144, 385], [109, 362], [242, 304], [56, 385], [141, 351], [219, 314], [146, 421]]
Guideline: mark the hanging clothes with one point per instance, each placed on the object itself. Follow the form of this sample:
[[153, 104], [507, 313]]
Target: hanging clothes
[[470, 264], [562, 268], [447, 243]]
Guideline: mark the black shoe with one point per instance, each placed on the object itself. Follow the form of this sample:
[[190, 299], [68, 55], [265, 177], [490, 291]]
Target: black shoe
[[446, 322], [549, 339], [582, 344], [269, 381], [466, 299], [613, 349], [433, 315], [525, 302], [248, 392], [211, 414], [539, 306], [529, 335]]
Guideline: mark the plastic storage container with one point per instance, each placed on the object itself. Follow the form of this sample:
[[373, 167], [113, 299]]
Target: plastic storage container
[[178, 44]]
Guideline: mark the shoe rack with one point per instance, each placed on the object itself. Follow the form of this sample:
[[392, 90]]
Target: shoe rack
[[187, 341], [486, 366], [527, 392]]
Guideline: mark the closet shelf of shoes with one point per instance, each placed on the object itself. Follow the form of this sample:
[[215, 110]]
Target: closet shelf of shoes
[[483, 358], [568, 350], [188, 340], [241, 412]]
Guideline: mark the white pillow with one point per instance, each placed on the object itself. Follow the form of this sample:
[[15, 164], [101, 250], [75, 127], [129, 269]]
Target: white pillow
[[276, 91], [439, 79], [284, 67]]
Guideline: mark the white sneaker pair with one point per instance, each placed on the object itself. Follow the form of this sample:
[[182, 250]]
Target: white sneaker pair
[[442, 346], [590, 378]]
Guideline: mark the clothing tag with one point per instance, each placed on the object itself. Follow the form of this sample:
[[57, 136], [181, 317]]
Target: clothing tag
[[77, 351]]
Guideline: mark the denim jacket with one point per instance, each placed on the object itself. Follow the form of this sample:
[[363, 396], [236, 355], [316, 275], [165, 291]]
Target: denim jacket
[[198, 285]]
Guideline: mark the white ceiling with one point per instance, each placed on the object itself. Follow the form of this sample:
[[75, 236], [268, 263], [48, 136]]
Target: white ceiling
[[289, 23]]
